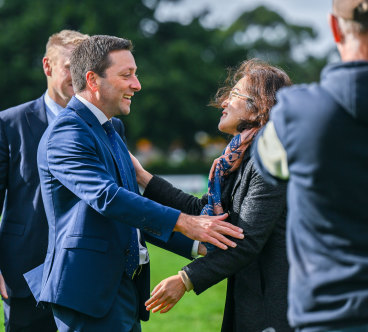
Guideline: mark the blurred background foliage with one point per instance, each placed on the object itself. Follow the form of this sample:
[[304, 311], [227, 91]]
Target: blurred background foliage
[[171, 129]]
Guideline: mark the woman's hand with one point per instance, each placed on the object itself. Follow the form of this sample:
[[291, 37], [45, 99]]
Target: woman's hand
[[166, 294], [143, 177]]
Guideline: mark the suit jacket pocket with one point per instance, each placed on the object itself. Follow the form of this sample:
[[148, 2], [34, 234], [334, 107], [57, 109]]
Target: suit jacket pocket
[[79, 242], [12, 228]]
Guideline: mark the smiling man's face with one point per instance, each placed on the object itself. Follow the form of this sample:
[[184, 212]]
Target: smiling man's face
[[119, 84]]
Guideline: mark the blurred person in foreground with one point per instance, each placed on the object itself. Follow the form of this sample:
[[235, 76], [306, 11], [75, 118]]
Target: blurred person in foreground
[[257, 268], [96, 272], [24, 230], [317, 139]]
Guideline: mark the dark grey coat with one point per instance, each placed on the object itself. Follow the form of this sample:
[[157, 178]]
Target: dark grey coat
[[257, 268]]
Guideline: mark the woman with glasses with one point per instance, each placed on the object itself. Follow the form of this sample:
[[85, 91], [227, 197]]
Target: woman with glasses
[[257, 267]]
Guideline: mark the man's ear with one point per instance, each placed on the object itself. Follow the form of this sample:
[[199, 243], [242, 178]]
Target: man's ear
[[92, 80], [335, 28], [46, 64]]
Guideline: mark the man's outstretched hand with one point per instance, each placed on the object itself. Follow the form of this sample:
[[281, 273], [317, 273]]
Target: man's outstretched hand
[[209, 229], [166, 294]]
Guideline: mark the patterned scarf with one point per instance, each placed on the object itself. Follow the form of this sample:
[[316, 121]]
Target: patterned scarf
[[227, 163]]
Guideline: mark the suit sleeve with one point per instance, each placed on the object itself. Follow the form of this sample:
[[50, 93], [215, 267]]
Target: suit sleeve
[[76, 161], [178, 244], [164, 193], [260, 210], [4, 163]]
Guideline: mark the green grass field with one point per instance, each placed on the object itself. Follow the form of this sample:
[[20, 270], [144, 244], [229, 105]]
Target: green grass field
[[193, 313]]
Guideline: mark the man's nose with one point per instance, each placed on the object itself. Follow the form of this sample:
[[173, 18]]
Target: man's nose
[[136, 85]]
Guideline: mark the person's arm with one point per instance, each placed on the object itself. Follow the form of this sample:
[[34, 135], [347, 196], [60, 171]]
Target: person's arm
[[163, 192], [73, 160], [262, 207]]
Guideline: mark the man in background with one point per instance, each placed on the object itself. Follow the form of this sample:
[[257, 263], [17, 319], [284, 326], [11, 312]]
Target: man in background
[[318, 140], [24, 229]]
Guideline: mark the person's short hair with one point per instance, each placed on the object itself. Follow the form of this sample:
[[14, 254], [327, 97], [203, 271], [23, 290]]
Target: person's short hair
[[352, 15], [262, 83], [64, 38], [349, 27], [93, 55]]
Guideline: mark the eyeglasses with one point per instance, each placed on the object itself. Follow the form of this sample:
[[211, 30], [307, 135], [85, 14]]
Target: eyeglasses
[[236, 94]]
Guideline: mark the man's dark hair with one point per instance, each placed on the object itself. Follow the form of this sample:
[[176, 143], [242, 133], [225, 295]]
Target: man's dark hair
[[93, 55]]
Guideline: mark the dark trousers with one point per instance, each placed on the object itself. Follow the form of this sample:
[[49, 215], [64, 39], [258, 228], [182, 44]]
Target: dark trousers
[[22, 315], [122, 317]]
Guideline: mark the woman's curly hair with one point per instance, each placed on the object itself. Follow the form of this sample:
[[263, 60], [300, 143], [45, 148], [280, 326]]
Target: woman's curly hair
[[262, 82]]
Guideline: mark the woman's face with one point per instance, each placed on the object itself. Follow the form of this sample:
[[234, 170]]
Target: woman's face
[[234, 109]]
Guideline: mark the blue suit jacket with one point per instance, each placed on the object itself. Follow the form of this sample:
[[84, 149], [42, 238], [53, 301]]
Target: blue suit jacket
[[24, 230], [90, 215]]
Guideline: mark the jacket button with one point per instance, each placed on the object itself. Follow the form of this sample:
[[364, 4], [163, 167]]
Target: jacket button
[[127, 251]]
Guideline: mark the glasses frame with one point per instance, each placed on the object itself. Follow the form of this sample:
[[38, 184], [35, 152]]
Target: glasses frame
[[239, 95]]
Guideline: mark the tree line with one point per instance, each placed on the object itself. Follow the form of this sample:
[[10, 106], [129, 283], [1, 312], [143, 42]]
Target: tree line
[[180, 66]]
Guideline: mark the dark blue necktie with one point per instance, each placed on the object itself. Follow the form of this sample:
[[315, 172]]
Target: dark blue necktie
[[132, 261]]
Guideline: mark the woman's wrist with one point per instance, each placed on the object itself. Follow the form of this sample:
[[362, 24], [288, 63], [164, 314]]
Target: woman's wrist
[[186, 281]]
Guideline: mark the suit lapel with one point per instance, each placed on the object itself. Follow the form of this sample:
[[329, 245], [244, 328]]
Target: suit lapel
[[93, 122], [37, 119]]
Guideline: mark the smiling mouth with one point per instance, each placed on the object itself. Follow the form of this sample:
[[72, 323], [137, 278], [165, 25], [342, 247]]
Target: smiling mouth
[[127, 97]]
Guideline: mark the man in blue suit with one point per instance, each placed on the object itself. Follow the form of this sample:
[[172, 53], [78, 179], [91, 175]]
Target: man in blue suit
[[96, 272], [23, 232]]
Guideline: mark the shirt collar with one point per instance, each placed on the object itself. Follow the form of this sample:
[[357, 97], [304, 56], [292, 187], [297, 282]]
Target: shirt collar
[[52, 105], [101, 117]]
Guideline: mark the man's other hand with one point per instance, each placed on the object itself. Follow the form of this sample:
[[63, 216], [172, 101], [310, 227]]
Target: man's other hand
[[209, 229]]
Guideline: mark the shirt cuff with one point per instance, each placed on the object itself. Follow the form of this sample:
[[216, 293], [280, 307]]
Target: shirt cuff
[[186, 281], [194, 252]]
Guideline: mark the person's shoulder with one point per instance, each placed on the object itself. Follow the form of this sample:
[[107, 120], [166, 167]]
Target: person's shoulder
[[116, 121], [68, 124], [297, 92], [18, 110], [293, 101], [66, 117]]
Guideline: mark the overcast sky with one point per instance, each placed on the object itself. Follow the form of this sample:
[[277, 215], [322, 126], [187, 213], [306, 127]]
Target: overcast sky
[[223, 12]]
